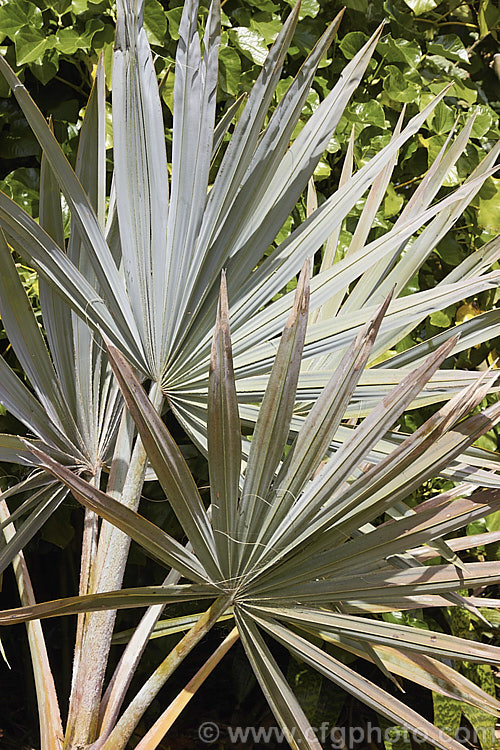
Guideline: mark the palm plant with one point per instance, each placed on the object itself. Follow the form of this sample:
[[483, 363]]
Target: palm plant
[[152, 285], [145, 273], [290, 548]]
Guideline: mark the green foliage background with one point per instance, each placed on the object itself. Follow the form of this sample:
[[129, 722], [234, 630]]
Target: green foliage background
[[54, 45]]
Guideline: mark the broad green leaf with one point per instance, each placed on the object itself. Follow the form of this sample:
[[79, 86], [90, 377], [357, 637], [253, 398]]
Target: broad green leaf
[[174, 19], [69, 41], [268, 29], [22, 185], [489, 199], [488, 16], [392, 202], [351, 43], [483, 722], [59, 6], [398, 87], [443, 118], [155, 22], [400, 51], [447, 713], [14, 16], [251, 42], [421, 6], [441, 319], [449, 46], [366, 114], [307, 8], [230, 70], [31, 44]]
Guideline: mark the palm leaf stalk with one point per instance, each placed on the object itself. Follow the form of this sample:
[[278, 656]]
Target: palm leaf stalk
[[51, 730], [163, 724], [151, 287], [278, 587]]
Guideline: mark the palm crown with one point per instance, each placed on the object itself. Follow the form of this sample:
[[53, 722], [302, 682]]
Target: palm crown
[[290, 548]]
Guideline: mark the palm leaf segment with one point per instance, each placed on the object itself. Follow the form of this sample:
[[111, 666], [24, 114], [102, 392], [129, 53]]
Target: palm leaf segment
[[290, 547], [151, 284]]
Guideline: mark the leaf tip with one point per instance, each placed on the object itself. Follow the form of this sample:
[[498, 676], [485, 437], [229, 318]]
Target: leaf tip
[[302, 292], [223, 306]]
